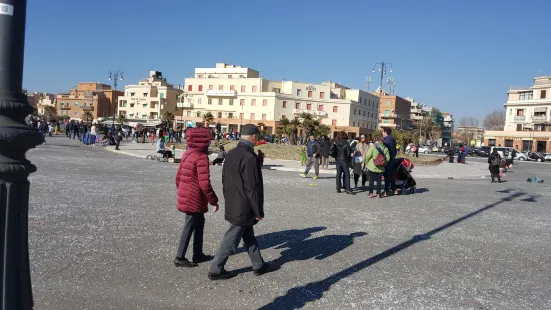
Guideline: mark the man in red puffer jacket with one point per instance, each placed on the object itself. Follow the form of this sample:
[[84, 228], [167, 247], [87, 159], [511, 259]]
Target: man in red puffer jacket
[[195, 193]]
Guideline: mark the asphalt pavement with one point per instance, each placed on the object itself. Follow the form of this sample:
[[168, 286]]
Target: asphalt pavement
[[104, 231]]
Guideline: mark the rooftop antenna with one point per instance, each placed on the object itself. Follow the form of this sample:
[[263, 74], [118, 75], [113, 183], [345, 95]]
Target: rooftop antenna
[[368, 82], [391, 85]]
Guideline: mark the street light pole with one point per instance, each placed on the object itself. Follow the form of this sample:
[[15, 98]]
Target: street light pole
[[382, 66], [115, 75], [16, 138]]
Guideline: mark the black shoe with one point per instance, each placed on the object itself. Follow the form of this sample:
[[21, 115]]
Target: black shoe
[[224, 275], [349, 192], [266, 268], [202, 258], [183, 262], [339, 191]]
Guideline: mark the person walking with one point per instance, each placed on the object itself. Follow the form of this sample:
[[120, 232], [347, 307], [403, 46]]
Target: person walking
[[194, 193], [325, 152], [68, 130], [359, 165], [93, 135], [342, 153], [494, 160], [243, 189], [118, 139], [313, 151], [376, 159], [390, 144]]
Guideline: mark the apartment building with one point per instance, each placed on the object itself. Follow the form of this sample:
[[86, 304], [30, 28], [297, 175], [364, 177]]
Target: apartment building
[[96, 98], [447, 129], [146, 101], [41, 101], [528, 118], [236, 96], [394, 112]]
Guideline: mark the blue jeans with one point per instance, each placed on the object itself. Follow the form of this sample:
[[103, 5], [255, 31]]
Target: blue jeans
[[343, 174]]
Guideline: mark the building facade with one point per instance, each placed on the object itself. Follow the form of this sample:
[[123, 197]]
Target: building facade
[[146, 101], [41, 101], [236, 96], [528, 118], [96, 98], [394, 112], [447, 128]]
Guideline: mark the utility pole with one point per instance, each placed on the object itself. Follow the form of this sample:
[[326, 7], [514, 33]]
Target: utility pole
[[16, 138]]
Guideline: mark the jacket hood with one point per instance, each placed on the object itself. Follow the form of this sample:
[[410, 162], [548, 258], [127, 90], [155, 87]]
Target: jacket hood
[[198, 138]]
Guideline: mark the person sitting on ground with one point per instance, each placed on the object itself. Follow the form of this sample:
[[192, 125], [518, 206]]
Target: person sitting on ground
[[161, 148], [221, 156]]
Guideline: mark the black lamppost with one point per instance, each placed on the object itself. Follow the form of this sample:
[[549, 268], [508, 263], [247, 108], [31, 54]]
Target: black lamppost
[[16, 138], [115, 75], [382, 66]]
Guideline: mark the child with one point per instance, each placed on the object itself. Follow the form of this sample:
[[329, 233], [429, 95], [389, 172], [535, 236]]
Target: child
[[221, 156], [303, 156]]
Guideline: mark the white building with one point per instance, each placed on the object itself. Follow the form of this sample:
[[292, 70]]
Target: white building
[[146, 101], [236, 96]]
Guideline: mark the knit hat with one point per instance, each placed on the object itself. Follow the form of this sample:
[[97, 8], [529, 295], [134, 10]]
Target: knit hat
[[249, 130]]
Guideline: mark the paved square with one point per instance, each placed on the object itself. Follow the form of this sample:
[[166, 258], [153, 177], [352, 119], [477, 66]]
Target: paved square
[[104, 231]]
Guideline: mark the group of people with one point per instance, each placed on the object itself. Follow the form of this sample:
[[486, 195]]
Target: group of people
[[243, 190], [370, 161]]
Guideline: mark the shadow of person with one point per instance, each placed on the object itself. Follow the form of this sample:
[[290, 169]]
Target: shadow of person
[[278, 238]]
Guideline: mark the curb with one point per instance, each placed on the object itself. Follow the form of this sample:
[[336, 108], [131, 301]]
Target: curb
[[123, 153]]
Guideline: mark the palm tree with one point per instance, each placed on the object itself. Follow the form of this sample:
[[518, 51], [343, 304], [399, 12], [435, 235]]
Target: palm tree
[[167, 119], [429, 130], [308, 124], [208, 118], [50, 112], [121, 119], [289, 128], [262, 128], [87, 116], [323, 130]]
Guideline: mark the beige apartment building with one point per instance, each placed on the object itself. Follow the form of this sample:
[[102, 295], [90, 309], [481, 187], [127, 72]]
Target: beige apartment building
[[96, 98], [235, 96], [528, 118], [146, 101], [41, 101]]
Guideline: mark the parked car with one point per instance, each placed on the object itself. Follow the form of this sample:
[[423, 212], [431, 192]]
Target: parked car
[[425, 149], [547, 156], [483, 151], [539, 157]]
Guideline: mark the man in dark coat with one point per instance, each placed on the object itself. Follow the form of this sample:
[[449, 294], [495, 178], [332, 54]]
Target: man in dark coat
[[390, 144], [243, 189]]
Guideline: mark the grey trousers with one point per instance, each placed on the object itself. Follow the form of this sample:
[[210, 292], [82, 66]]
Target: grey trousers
[[194, 224], [230, 242], [312, 161]]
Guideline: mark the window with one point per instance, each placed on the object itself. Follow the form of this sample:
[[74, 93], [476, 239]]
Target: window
[[145, 94], [491, 142], [242, 102], [334, 122], [199, 100], [220, 101], [252, 116], [219, 114], [265, 102], [320, 107], [198, 113], [161, 95], [76, 113], [353, 124], [229, 76], [364, 113], [200, 87], [508, 143], [144, 105], [543, 94], [263, 117], [232, 87], [354, 111], [76, 103], [200, 76], [253, 102], [322, 95], [519, 127], [285, 104], [231, 101], [243, 89], [188, 113], [335, 109], [309, 106], [230, 115], [525, 145], [299, 92], [211, 87], [386, 121], [387, 112], [131, 94], [241, 116], [189, 87], [527, 95], [255, 89], [209, 101], [388, 103], [220, 87], [309, 94], [520, 112], [297, 105]]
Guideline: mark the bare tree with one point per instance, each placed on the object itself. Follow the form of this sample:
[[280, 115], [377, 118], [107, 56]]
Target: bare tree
[[468, 122], [495, 120]]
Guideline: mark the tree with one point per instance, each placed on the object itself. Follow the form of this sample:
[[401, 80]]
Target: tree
[[494, 120], [50, 112], [289, 128], [262, 128], [468, 122], [308, 124], [323, 130], [426, 129], [167, 119], [121, 119], [208, 118], [87, 116]]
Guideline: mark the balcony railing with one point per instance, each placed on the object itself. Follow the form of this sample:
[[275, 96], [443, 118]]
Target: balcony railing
[[64, 107], [88, 107], [539, 117], [389, 116], [387, 125], [519, 117]]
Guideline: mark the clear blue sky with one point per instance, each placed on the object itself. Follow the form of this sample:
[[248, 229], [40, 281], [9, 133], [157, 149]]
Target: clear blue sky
[[460, 56]]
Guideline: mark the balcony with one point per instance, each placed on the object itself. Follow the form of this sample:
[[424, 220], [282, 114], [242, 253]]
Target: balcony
[[64, 107], [389, 116], [220, 93], [539, 117], [298, 111], [519, 118], [387, 125], [88, 107], [185, 105], [321, 113]]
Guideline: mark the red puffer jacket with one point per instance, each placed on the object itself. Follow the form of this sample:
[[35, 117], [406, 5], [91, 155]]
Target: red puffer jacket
[[193, 177]]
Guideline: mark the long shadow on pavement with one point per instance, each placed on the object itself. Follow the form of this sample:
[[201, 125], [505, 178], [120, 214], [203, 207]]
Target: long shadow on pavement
[[298, 297]]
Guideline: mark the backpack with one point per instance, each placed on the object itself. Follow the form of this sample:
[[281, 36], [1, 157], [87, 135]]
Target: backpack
[[496, 161], [380, 159]]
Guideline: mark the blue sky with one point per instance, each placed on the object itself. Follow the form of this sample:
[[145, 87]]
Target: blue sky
[[460, 56]]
